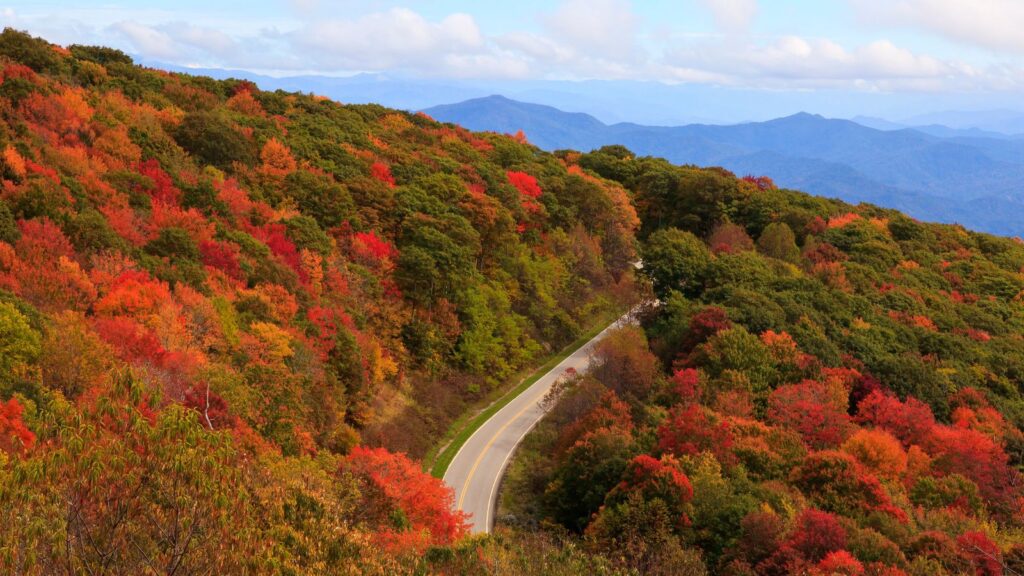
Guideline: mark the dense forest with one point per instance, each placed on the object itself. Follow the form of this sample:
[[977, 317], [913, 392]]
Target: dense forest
[[820, 389], [232, 321]]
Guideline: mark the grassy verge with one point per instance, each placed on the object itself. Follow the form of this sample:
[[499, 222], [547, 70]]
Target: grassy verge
[[460, 430]]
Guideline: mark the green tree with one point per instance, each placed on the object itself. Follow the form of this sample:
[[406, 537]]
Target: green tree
[[100, 54], [19, 347], [437, 257], [675, 260], [736, 350], [587, 472], [321, 198], [35, 53], [639, 533], [90, 233], [306, 233], [8, 227], [778, 241], [214, 140]]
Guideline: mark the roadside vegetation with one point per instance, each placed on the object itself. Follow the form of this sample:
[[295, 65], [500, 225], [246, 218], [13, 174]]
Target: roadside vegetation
[[825, 389]]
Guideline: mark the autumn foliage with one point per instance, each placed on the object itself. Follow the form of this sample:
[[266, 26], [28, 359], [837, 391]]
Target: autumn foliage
[[400, 487], [15, 438], [689, 431], [834, 393], [232, 321], [226, 314]]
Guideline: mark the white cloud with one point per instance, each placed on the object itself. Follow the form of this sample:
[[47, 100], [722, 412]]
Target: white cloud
[[148, 41], [596, 28], [812, 62], [199, 46], [304, 5], [580, 39], [487, 66], [393, 39], [536, 47], [993, 24], [208, 39], [732, 15]]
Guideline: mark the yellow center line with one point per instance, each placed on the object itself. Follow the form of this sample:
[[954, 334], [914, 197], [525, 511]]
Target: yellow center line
[[531, 404], [487, 447]]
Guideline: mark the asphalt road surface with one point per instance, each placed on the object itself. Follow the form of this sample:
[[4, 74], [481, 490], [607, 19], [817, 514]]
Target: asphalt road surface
[[478, 467]]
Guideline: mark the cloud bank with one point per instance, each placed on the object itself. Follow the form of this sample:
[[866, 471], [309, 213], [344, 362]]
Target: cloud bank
[[580, 39]]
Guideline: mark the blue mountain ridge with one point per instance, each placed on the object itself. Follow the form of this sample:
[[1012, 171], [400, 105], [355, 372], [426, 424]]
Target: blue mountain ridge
[[959, 177]]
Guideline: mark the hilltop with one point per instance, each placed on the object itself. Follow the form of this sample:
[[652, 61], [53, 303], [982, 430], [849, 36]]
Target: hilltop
[[951, 176]]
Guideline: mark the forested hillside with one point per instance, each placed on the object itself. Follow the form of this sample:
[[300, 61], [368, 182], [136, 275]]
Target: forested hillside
[[824, 389], [232, 321], [225, 313]]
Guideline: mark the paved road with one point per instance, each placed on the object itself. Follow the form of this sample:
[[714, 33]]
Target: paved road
[[476, 471]]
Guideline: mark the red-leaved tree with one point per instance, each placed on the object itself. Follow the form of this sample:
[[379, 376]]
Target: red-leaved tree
[[399, 488], [15, 437], [688, 430]]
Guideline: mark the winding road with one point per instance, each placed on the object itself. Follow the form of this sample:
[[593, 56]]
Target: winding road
[[475, 473]]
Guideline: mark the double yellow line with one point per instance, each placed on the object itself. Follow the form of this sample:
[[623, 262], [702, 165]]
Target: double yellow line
[[531, 404], [487, 447]]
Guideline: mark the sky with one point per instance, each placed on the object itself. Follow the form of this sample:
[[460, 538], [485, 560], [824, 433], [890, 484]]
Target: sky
[[968, 47]]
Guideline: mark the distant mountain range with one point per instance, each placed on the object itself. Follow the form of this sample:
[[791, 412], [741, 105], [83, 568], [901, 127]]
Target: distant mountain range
[[1009, 130], [1004, 121], [938, 173], [645, 102]]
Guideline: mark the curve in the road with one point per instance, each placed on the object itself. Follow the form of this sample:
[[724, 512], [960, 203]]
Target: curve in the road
[[476, 471]]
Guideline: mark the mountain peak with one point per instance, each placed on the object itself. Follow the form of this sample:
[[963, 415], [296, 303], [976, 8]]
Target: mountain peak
[[800, 117], [544, 125]]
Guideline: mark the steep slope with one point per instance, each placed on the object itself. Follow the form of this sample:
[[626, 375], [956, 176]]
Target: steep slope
[[219, 305]]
